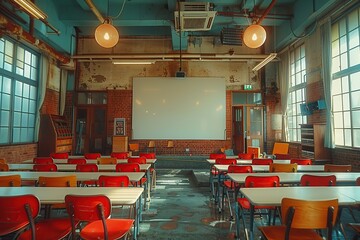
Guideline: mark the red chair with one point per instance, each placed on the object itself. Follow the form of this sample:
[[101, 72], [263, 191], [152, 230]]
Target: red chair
[[152, 169], [4, 167], [214, 173], [64, 155], [279, 156], [261, 161], [358, 181], [76, 161], [89, 167], [43, 160], [148, 155], [246, 156], [301, 161], [92, 155], [19, 212], [139, 160], [217, 155], [316, 180], [131, 167], [45, 167], [119, 155], [113, 181], [244, 204], [95, 211]]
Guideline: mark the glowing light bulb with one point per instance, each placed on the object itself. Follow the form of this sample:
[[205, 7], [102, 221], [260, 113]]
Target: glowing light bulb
[[106, 35], [254, 36]]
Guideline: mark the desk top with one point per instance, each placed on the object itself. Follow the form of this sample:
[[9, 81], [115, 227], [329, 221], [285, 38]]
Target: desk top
[[50, 195], [273, 196], [70, 167], [80, 176], [265, 168], [349, 177]]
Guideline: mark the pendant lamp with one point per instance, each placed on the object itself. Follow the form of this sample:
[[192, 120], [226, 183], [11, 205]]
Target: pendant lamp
[[254, 36], [106, 34]]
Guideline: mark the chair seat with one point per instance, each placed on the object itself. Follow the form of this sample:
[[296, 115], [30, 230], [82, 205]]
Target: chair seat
[[117, 228], [278, 232], [246, 204], [50, 229], [230, 184]]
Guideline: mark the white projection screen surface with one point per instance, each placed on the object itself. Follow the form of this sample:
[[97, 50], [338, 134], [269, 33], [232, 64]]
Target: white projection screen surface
[[179, 108]]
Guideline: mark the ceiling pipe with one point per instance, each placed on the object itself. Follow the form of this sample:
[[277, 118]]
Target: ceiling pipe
[[266, 12], [95, 10]]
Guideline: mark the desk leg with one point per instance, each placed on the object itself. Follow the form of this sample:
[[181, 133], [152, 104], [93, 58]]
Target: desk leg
[[251, 228], [148, 184]]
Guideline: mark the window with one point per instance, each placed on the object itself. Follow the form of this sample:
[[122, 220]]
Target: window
[[19, 69], [297, 92], [345, 79]]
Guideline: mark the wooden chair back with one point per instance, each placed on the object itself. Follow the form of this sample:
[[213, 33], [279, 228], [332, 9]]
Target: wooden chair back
[[283, 167], [109, 160], [280, 148], [4, 167], [337, 168], [10, 181], [62, 181]]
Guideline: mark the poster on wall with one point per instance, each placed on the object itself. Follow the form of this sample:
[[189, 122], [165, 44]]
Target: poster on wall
[[119, 126]]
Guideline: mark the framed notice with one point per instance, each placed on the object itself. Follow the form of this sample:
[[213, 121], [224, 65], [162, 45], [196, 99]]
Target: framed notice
[[119, 126]]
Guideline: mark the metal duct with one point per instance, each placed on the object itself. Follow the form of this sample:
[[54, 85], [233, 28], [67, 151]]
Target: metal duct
[[232, 36]]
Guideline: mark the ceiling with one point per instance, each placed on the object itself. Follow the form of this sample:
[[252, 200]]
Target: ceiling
[[138, 18]]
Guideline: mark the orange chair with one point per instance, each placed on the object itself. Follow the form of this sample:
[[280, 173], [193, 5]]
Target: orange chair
[[92, 155], [51, 167], [301, 161], [43, 160], [151, 146], [110, 160], [63, 155], [113, 181], [134, 148], [76, 161], [10, 181], [283, 167], [119, 155], [337, 168], [316, 180], [244, 204], [95, 211], [19, 212], [139, 160], [280, 148], [261, 161], [89, 167], [301, 219], [4, 167], [2, 160], [246, 156]]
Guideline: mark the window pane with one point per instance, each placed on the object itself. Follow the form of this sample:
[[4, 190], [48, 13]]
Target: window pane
[[354, 56], [5, 118], [353, 20], [347, 118], [339, 137], [356, 133], [336, 86], [4, 135], [347, 137], [355, 119], [355, 81], [337, 103], [346, 102], [355, 100], [338, 120], [354, 38], [5, 102]]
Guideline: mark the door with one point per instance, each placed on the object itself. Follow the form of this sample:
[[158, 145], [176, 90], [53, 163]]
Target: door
[[90, 130], [238, 129], [254, 126]]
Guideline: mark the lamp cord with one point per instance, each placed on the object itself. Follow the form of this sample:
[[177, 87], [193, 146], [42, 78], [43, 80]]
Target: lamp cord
[[121, 10]]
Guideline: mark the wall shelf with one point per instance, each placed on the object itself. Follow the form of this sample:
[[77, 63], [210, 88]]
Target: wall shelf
[[312, 142]]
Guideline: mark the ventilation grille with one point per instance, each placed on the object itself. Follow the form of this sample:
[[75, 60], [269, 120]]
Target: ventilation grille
[[232, 36]]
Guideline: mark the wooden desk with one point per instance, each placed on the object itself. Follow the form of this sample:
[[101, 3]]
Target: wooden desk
[[51, 195], [256, 196]]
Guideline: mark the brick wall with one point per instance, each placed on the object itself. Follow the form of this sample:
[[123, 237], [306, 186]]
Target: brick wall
[[347, 156]]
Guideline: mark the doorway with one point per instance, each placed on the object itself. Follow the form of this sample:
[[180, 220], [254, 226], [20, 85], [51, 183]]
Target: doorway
[[90, 130], [238, 130]]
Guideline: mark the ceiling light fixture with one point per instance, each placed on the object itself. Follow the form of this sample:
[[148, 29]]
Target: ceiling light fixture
[[106, 34], [265, 61], [134, 62], [31, 9], [254, 36]]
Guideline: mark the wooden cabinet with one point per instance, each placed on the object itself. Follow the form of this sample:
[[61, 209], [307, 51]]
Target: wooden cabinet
[[120, 144], [312, 142], [55, 135]]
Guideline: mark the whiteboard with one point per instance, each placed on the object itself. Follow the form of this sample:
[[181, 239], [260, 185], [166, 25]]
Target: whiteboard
[[179, 108]]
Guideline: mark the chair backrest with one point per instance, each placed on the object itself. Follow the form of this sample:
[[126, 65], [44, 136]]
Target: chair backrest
[[280, 148], [225, 161], [2, 160], [10, 181], [18, 212], [4, 167], [316, 180], [43, 160], [62, 181], [113, 181], [299, 161], [109, 160], [337, 168], [45, 167], [217, 155], [261, 161], [170, 144], [246, 156], [76, 161], [134, 147], [280, 156], [127, 167], [358, 181], [63, 155], [92, 155], [240, 169], [119, 155], [89, 167], [148, 155], [262, 181], [139, 160], [151, 144], [305, 214], [88, 209], [283, 167]]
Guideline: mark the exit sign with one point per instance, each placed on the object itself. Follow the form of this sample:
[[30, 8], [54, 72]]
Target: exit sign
[[247, 87]]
